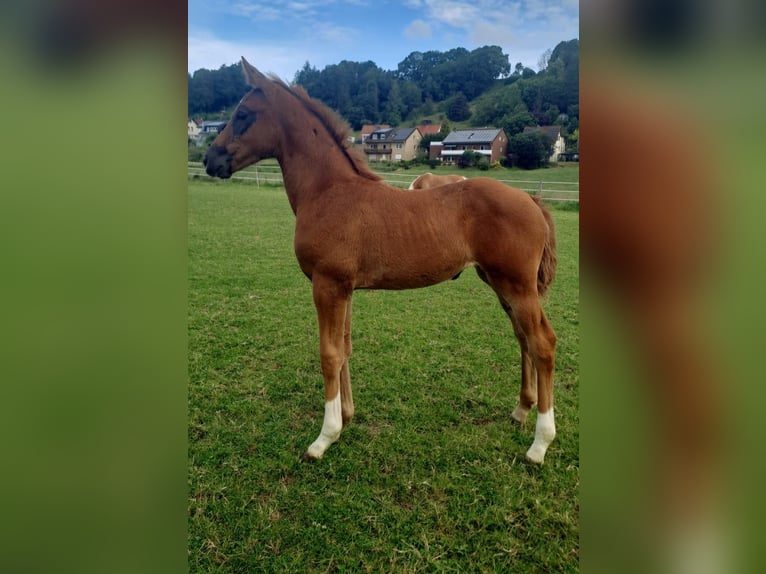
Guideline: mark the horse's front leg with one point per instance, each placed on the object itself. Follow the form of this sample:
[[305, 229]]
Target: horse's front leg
[[332, 303], [346, 397]]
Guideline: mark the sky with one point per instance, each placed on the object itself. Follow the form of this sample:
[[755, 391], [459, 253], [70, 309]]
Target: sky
[[280, 37]]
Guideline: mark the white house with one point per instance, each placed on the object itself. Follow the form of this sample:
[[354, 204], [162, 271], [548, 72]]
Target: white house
[[554, 134], [192, 129]]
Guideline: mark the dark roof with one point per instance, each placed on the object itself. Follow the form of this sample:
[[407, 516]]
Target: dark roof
[[212, 124], [400, 134], [552, 132], [483, 135], [391, 135]]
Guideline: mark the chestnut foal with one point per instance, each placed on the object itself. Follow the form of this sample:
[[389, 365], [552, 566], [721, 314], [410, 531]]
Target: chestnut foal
[[353, 231]]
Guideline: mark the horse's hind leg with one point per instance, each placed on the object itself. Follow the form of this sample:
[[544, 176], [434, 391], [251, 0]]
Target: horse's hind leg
[[538, 343], [543, 350], [528, 394]]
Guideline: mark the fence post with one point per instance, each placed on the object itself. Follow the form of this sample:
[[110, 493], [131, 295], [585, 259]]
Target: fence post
[[540, 192], [257, 182]]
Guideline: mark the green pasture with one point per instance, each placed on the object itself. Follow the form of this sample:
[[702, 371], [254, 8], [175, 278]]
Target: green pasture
[[429, 477]]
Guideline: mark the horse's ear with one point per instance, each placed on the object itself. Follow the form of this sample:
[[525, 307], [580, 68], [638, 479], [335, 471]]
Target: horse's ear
[[252, 76]]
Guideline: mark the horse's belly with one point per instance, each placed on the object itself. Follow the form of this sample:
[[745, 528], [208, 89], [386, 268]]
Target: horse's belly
[[410, 274]]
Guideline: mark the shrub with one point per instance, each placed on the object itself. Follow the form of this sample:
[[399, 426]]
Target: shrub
[[196, 152], [469, 158], [530, 150]]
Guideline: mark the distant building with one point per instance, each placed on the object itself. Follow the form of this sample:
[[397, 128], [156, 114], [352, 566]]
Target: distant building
[[554, 134], [428, 129], [192, 129], [392, 144], [367, 129], [212, 127], [489, 142]]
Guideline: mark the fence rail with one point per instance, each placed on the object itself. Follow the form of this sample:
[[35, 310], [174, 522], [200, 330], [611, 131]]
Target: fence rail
[[272, 175]]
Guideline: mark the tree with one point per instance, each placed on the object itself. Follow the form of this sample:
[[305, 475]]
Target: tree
[[457, 108], [442, 74], [542, 63], [444, 128], [515, 122], [306, 75], [530, 150], [469, 158], [392, 113], [491, 106]]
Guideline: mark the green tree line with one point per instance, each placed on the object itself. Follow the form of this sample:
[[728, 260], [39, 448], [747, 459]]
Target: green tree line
[[478, 87]]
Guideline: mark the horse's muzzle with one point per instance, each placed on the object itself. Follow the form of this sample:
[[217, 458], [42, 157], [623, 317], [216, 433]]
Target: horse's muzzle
[[218, 162]]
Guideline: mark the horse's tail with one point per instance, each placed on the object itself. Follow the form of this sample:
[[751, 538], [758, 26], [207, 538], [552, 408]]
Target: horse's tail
[[547, 269]]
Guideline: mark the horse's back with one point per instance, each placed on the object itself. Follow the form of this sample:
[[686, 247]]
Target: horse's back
[[429, 180]]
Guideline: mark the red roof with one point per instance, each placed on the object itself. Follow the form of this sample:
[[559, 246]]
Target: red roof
[[426, 129], [367, 129]]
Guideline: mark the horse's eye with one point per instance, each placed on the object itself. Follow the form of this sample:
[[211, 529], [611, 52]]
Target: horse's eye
[[243, 119]]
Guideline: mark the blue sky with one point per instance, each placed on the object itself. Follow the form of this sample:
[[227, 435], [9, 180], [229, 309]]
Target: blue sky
[[280, 37]]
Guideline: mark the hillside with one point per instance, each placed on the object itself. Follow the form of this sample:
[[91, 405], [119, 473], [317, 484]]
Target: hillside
[[469, 88]]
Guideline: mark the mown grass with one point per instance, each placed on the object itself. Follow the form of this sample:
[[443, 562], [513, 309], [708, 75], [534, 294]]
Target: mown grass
[[429, 477]]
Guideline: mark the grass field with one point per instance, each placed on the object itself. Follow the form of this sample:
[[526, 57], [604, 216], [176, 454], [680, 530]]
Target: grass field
[[429, 477]]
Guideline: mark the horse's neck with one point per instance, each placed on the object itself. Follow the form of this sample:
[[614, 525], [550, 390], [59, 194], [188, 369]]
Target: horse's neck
[[311, 161]]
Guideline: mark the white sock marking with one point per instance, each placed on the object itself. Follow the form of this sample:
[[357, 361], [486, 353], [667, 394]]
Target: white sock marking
[[331, 427], [519, 414], [545, 431]]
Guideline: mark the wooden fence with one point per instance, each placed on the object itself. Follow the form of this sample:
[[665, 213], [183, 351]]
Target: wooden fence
[[566, 191]]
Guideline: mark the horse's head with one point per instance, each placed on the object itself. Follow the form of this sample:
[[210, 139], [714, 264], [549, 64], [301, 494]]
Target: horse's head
[[251, 133]]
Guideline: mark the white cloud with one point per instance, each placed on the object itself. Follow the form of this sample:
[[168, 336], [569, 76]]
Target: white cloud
[[523, 28], [207, 51], [418, 29], [254, 10], [493, 34], [454, 13], [328, 32]]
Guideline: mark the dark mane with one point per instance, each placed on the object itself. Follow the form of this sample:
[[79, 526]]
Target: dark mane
[[336, 126]]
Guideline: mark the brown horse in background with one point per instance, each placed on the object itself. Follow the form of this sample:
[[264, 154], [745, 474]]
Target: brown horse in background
[[430, 180], [353, 231]]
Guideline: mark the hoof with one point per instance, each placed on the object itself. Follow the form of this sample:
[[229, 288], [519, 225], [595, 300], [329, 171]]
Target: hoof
[[535, 455], [308, 457], [519, 414]]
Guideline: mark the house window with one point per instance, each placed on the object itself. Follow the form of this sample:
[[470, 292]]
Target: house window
[[398, 146]]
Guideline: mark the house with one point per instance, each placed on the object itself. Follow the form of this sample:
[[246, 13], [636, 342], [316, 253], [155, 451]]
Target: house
[[192, 129], [428, 129], [554, 134], [367, 129], [435, 150], [212, 127], [392, 144], [489, 142]]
